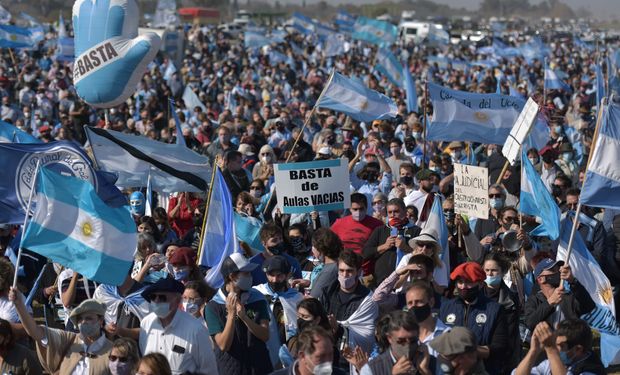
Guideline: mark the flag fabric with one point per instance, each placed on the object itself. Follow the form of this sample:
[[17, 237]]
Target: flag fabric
[[589, 273], [62, 30], [602, 184], [170, 70], [388, 65], [133, 158], [255, 40], [148, 201], [437, 35], [374, 31], [334, 45], [412, 94], [191, 100], [19, 162], [219, 236], [303, 24], [9, 133], [166, 14], [346, 95], [248, 231], [437, 222], [15, 37], [72, 226], [537, 201], [553, 82], [65, 50], [276, 57], [600, 85], [177, 124], [28, 18], [5, 15], [473, 117]]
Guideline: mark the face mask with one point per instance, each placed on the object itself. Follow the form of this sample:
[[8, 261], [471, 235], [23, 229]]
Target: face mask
[[223, 139], [302, 324], [553, 280], [395, 151], [406, 180], [548, 159], [496, 203], [89, 329], [567, 156], [160, 227], [456, 155], [197, 220], [565, 358], [379, 207], [191, 307], [557, 129], [421, 312], [493, 280], [244, 282], [298, 244], [119, 368], [435, 169], [277, 249], [161, 309], [397, 222], [256, 193], [490, 152], [347, 282], [279, 286], [324, 368], [358, 215], [417, 135], [266, 159], [470, 294], [399, 350], [372, 177], [181, 275], [534, 161]]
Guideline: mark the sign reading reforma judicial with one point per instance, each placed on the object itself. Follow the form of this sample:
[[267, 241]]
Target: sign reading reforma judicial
[[471, 186], [313, 186]]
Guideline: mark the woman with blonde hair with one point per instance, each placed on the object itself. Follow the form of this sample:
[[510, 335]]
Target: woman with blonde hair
[[154, 364], [124, 356]]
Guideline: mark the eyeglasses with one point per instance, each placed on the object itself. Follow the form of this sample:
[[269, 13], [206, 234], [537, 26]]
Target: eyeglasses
[[159, 297], [495, 195], [114, 358]]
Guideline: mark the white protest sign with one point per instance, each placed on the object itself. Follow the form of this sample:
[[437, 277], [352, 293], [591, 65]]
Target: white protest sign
[[313, 186], [471, 186], [520, 130]]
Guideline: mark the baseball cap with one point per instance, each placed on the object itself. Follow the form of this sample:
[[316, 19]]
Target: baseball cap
[[458, 340], [276, 263], [236, 263], [546, 264]]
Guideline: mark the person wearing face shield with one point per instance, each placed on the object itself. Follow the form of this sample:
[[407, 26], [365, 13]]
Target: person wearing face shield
[[568, 351], [65, 352], [238, 321], [176, 334], [553, 302], [282, 301], [470, 308], [315, 354]]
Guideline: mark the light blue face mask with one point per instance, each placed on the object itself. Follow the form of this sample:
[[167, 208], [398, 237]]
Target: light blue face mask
[[493, 280], [496, 203], [567, 156], [564, 358]]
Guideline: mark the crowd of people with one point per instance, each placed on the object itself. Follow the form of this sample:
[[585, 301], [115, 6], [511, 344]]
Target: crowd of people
[[360, 291]]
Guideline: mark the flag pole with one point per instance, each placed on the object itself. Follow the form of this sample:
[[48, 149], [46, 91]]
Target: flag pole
[[585, 177], [208, 203], [19, 252], [301, 132], [425, 123]]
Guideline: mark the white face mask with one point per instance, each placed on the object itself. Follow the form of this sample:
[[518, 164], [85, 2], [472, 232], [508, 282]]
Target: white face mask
[[266, 159], [324, 368]]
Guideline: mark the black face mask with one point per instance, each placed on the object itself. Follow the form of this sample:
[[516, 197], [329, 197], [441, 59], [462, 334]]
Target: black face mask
[[278, 287], [302, 324], [372, 177], [197, 219], [406, 180], [469, 295], [277, 249], [553, 280], [556, 191], [548, 159], [298, 245], [421, 312]]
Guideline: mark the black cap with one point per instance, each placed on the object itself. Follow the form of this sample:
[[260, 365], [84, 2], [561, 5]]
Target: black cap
[[165, 285], [236, 262], [276, 263]]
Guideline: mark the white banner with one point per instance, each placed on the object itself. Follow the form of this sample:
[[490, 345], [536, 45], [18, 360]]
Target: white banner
[[313, 186], [520, 130], [471, 191]]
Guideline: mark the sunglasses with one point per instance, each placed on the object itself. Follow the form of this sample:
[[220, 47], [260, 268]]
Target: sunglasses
[[255, 188], [510, 218], [114, 358], [425, 245], [495, 195], [159, 297]]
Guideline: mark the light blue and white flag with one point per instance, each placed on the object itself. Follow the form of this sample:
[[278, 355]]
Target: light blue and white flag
[[255, 40], [65, 50], [553, 82], [537, 201], [5, 15], [437, 222], [62, 30], [172, 167], [73, 227], [170, 70], [374, 31], [437, 35], [345, 95], [9, 133], [333, 45], [412, 94], [473, 117], [15, 37], [28, 18], [191, 99], [388, 65], [600, 85], [589, 273], [219, 239], [177, 124], [602, 184], [302, 23], [276, 57]]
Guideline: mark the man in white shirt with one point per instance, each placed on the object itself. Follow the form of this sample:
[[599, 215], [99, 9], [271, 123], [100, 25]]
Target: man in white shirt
[[418, 197], [174, 333]]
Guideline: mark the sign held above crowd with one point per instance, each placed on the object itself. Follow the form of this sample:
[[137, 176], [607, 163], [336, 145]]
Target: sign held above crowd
[[471, 185]]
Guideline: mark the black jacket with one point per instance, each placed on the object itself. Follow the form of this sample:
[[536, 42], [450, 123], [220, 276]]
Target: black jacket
[[573, 305], [385, 263]]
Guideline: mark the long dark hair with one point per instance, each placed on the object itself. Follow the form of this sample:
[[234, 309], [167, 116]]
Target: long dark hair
[[315, 308]]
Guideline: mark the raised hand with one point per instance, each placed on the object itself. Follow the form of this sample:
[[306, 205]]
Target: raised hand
[[110, 56]]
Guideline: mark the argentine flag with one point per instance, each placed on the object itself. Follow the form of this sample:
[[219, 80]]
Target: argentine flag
[[255, 40], [389, 66], [73, 227], [553, 82], [536, 201], [589, 273], [373, 31], [437, 222], [9, 133], [412, 95], [602, 182], [15, 37], [349, 96], [219, 236]]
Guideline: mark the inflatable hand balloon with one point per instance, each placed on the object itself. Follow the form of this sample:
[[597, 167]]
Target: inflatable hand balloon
[[110, 56]]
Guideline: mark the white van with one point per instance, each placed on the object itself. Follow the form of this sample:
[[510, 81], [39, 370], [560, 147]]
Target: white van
[[412, 31]]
